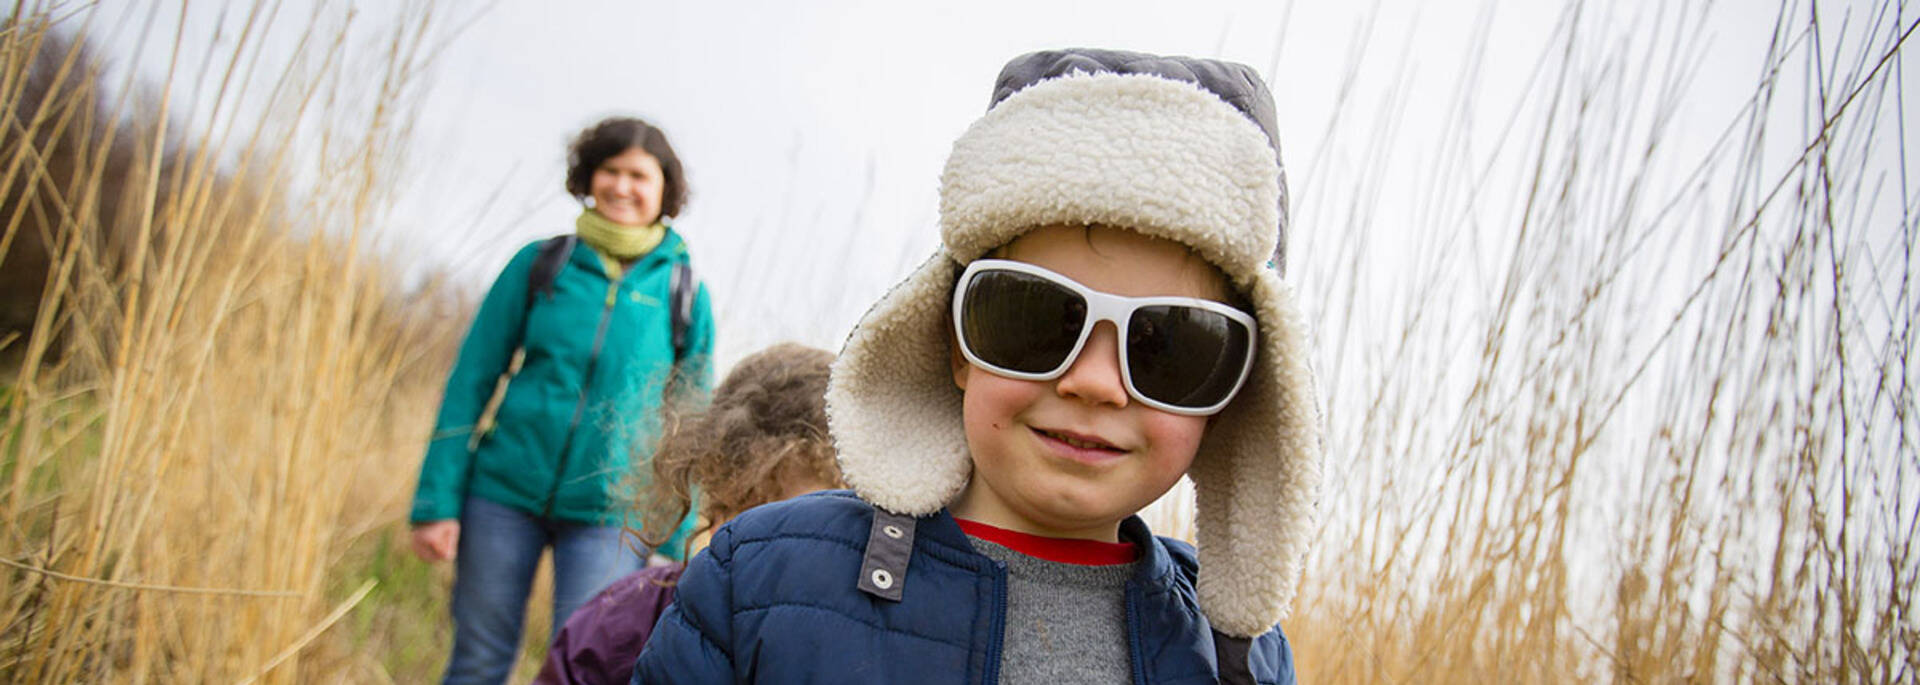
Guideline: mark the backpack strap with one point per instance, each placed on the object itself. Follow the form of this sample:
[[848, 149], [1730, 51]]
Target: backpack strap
[[1230, 656], [546, 265], [681, 298]]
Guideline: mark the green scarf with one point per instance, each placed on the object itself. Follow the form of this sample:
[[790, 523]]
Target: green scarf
[[618, 241]]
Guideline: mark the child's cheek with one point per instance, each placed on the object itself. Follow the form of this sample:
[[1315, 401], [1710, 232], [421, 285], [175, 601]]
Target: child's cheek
[[994, 403], [1175, 438]]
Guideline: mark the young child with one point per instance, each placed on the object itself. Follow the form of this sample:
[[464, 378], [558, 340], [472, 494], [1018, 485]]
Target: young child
[[1106, 314], [763, 439]]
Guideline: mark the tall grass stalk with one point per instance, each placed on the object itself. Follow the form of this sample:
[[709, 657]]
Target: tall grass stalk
[[1639, 406], [216, 369]]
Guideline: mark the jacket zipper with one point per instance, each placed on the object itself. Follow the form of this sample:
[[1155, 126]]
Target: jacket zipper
[[994, 644], [1136, 652], [586, 385]]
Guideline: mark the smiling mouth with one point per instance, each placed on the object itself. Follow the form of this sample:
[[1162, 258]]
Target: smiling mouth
[[619, 207], [1079, 441]]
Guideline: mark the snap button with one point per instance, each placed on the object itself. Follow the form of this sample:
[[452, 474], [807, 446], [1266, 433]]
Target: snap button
[[882, 579], [892, 532]]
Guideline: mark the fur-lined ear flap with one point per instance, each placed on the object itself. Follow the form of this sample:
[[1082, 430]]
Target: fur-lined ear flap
[[892, 404], [1258, 478]]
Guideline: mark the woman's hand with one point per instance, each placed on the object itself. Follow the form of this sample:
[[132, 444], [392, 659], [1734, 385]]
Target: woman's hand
[[437, 540]]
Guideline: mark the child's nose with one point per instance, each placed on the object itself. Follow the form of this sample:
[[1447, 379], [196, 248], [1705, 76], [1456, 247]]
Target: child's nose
[[1095, 376]]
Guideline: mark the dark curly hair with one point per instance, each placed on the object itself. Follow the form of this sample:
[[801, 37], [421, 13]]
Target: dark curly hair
[[615, 135], [764, 434]]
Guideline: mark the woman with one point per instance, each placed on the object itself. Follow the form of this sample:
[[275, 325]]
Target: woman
[[590, 318]]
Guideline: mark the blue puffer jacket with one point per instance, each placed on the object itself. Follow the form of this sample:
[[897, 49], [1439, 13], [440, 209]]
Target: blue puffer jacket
[[774, 600]]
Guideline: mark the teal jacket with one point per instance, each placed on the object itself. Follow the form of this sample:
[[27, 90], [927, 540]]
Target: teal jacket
[[586, 397]]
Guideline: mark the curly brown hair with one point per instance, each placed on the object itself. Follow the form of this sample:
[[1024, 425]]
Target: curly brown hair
[[764, 435]]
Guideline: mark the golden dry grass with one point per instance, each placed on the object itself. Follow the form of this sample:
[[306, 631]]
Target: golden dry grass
[[1644, 412], [220, 382]]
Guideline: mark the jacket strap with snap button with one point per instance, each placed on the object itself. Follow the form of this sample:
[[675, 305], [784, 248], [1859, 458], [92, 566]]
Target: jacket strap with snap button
[[883, 570]]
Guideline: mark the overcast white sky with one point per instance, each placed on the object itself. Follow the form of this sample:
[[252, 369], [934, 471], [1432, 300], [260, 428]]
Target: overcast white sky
[[813, 132]]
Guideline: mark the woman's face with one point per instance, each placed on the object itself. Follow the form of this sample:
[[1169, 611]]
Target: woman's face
[[627, 188]]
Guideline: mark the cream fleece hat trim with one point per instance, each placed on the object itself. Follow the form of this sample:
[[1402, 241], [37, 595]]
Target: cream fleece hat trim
[[1159, 156]]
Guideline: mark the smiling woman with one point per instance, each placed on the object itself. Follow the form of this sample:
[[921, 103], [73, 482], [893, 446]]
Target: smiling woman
[[572, 353]]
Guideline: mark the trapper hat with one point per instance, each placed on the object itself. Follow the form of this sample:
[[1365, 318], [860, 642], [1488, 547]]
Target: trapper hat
[[1172, 147]]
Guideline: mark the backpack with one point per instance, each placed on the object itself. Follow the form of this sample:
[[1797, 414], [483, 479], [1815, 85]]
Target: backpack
[[554, 254]]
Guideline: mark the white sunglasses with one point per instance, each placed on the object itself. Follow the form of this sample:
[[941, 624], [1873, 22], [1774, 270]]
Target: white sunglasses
[[1183, 355]]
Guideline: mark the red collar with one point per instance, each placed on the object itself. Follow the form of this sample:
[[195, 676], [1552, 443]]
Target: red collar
[[1063, 550]]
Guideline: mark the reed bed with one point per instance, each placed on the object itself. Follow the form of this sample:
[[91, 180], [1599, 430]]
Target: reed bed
[[220, 382], [1634, 400]]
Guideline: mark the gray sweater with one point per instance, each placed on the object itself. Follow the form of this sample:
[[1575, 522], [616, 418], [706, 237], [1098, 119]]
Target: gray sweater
[[1066, 623]]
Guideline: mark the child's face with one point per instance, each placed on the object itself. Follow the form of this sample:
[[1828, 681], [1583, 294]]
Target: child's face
[[1073, 456]]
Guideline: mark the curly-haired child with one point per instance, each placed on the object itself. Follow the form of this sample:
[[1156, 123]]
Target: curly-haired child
[[763, 439]]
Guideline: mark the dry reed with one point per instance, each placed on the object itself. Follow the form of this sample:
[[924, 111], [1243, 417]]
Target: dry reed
[[216, 367], [1642, 409]]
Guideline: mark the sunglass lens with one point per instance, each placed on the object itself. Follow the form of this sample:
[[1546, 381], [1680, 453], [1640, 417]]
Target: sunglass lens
[[1186, 356], [1020, 322]]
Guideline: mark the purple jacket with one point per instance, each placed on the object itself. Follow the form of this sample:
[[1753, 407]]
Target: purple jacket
[[602, 639]]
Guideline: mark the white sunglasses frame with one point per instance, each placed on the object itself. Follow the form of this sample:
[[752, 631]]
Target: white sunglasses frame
[[1101, 306]]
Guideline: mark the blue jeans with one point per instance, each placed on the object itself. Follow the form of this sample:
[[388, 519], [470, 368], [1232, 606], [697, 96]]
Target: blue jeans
[[499, 550]]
